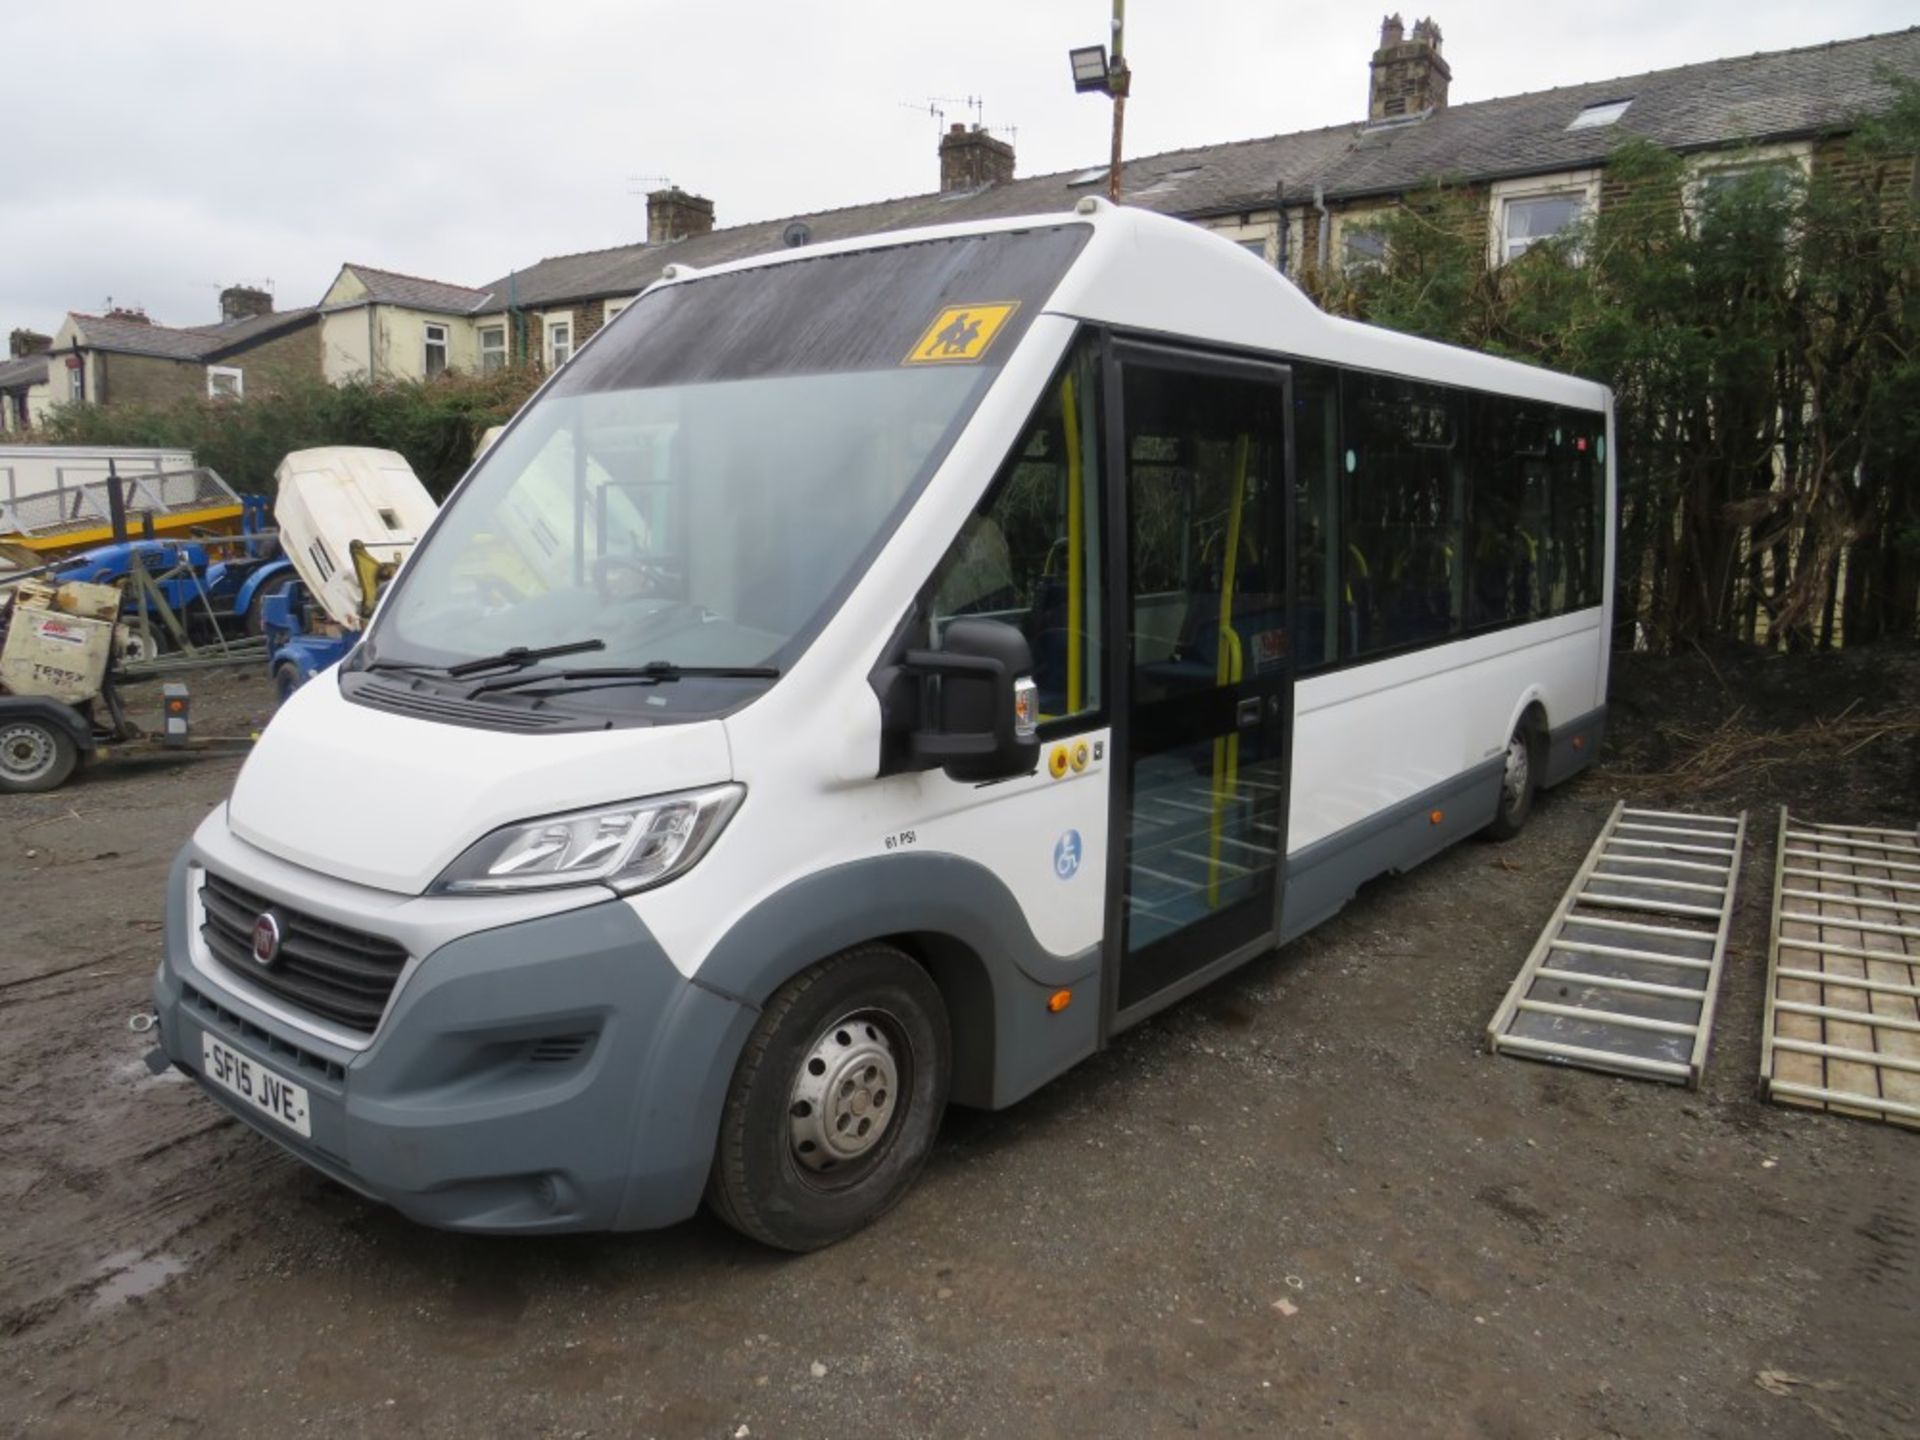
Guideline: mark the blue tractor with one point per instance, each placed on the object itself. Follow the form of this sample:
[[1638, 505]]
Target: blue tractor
[[215, 589], [301, 641]]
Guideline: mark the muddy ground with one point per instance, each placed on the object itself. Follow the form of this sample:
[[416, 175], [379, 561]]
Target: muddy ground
[[1305, 1201]]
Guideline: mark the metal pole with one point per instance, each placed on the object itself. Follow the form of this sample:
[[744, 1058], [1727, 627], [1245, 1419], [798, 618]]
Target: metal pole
[[116, 503], [1117, 78]]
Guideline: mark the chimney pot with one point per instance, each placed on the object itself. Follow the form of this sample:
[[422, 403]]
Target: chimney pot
[[1409, 75]]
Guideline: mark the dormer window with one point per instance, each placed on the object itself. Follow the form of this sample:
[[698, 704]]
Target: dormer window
[[1601, 112]]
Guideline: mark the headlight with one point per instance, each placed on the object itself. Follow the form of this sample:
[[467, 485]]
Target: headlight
[[628, 847]]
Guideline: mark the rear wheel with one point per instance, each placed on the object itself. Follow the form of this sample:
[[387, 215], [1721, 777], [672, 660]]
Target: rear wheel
[[256, 617], [286, 680], [835, 1102], [34, 755], [1519, 783]]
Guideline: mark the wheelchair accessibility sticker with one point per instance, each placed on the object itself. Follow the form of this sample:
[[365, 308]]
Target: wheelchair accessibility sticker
[[960, 334], [1066, 855]]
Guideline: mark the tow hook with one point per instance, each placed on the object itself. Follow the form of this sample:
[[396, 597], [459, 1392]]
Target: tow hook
[[145, 1022]]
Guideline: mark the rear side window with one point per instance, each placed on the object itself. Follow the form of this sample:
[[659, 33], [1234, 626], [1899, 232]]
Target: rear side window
[[1404, 501]]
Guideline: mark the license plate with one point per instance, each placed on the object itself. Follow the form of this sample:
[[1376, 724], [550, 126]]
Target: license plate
[[267, 1092]]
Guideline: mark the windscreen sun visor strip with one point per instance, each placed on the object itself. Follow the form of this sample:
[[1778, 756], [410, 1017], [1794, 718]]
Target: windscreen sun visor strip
[[857, 310]]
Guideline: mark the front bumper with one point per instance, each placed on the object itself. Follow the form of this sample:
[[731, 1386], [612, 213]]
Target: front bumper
[[554, 1073]]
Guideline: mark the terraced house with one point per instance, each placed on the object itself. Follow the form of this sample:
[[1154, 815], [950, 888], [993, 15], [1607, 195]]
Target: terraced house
[[1306, 202]]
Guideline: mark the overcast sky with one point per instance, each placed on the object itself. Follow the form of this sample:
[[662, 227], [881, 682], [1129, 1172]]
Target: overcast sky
[[159, 149]]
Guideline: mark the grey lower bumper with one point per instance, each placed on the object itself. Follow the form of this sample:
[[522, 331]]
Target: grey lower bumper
[[458, 1114]]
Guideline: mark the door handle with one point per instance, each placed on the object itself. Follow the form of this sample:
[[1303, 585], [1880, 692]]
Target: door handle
[[1247, 713]]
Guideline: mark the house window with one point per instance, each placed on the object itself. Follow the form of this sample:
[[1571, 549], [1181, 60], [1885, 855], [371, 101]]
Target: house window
[[1763, 174], [436, 350], [225, 382], [1529, 220], [1602, 112], [559, 340], [493, 348], [614, 307], [76, 380], [1255, 248], [1362, 248]]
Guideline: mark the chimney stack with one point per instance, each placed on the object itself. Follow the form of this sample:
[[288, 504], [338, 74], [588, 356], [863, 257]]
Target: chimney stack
[[244, 302], [28, 342], [973, 159], [1409, 76], [673, 214]]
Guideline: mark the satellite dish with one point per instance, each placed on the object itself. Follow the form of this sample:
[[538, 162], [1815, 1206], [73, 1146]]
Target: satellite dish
[[797, 234]]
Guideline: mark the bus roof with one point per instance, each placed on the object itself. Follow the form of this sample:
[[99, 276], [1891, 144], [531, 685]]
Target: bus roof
[[1147, 272]]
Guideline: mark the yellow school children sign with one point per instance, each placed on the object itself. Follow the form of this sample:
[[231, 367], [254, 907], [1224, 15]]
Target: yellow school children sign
[[960, 334]]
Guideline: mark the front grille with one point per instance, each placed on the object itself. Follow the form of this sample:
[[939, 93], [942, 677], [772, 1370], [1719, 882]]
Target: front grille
[[219, 1017], [339, 974]]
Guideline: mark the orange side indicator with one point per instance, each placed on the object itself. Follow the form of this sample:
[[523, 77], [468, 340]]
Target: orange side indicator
[[1059, 1000], [1579, 742], [1434, 817]]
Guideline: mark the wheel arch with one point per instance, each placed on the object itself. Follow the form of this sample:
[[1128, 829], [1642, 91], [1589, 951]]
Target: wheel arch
[[961, 924], [1530, 707]]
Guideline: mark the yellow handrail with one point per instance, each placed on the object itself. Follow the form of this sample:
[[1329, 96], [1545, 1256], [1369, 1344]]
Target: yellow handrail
[[1229, 667]]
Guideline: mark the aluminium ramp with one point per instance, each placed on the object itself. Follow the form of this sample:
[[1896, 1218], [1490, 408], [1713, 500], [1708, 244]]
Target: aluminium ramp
[[1842, 1029], [1625, 975]]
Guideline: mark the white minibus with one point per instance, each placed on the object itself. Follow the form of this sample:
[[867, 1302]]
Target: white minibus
[[872, 676]]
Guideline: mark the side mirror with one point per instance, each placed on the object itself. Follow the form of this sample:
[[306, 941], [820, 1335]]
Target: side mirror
[[977, 709]]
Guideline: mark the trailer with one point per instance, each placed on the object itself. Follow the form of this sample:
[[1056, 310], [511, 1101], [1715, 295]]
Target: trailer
[[69, 516], [63, 651]]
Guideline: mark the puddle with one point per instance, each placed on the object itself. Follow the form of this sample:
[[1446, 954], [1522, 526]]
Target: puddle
[[136, 1074], [131, 1275]]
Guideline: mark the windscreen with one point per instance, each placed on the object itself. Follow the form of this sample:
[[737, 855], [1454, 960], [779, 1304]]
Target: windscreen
[[704, 483]]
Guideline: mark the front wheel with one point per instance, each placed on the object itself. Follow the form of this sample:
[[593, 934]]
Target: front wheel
[[35, 755], [835, 1102], [1519, 783]]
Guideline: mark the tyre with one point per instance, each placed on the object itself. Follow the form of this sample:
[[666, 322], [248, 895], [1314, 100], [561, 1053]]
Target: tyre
[[835, 1102], [286, 680], [256, 616], [1519, 783], [35, 755]]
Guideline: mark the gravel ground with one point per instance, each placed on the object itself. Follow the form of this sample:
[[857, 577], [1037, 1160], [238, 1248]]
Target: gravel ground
[[1304, 1201]]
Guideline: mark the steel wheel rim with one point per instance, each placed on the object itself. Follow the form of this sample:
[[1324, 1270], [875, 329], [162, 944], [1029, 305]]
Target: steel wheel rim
[[846, 1096], [1519, 768], [27, 752]]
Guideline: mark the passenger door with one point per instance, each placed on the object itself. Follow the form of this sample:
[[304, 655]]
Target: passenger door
[[1201, 777]]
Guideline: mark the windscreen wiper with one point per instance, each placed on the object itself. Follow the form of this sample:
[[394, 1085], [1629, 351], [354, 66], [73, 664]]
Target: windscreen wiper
[[654, 672], [516, 657]]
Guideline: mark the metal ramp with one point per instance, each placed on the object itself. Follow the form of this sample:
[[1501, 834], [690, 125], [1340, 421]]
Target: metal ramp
[[1843, 972], [1626, 973]]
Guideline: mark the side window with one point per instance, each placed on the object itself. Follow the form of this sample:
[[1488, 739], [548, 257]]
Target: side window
[[1579, 490], [1511, 547], [1402, 571], [1316, 516], [1030, 554]]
